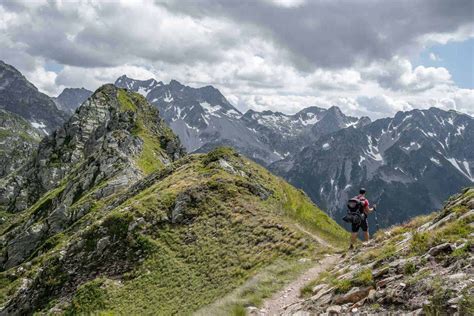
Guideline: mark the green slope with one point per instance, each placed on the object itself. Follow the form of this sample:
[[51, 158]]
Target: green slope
[[176, 241]]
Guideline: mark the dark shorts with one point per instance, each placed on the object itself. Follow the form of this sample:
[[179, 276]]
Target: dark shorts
[[364, 224]]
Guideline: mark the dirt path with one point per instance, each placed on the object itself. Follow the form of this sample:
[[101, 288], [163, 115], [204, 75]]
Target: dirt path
[[315, 237], [290, 294]]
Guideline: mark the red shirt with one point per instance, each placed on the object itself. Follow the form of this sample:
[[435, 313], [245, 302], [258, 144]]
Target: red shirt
[[365, 201]]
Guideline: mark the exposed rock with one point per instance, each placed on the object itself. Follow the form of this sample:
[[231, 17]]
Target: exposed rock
[[98, 151], [354, 295], [384, 282], [443, 248], [334, 310]]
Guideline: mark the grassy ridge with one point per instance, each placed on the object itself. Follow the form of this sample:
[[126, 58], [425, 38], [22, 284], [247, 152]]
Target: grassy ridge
[[226, 234]]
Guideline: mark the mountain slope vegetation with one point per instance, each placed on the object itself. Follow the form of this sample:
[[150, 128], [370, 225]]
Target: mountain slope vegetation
[[111, 216]]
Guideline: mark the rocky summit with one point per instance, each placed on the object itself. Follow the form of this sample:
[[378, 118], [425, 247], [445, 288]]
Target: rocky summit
[[423, 267], [113, 140], [109, 215]]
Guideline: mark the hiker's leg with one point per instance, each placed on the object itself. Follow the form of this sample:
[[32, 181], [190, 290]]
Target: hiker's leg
[[366, 235], [353, 238]]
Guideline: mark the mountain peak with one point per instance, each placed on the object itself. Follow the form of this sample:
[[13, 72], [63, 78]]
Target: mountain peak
[[19, 96]]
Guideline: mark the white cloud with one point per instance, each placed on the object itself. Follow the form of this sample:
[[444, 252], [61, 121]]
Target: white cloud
[[399, 74], [304, 53]]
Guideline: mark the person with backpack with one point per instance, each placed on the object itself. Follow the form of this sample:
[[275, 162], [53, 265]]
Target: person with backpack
[[359, 210]]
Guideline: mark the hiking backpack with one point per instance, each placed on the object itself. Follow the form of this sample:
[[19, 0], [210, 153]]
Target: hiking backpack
[[355, 207]]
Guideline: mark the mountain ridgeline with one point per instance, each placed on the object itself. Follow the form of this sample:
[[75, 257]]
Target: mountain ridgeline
[[204, 119], [110, 215], [410, 163]]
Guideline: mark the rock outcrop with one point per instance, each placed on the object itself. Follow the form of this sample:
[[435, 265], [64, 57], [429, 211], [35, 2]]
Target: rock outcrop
[[18, 141], [112, 141]]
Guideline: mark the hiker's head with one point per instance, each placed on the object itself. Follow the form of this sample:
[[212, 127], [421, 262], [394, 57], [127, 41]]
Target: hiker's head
[[362, 191]]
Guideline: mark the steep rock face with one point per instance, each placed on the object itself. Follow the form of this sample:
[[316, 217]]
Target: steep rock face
[[71, 98], [113, 139], [422, 267], [18, 141], [19, 96], [409, 164], [172, 242]]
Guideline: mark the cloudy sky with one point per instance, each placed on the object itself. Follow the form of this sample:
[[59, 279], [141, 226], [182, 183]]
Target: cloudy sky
[[369, 57]]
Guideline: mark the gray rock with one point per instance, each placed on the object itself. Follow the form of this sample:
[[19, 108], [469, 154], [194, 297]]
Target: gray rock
[[334, 310], [103, 243], [443, 248], [353, 296]]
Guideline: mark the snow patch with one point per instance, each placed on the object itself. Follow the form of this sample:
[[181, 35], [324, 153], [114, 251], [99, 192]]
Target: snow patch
[[211, 109], [460, 129], [436, 161], [465, 164], [168, 98]]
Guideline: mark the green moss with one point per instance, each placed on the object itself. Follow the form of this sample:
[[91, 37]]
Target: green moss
[[383, 253], [89, 297], [419, 243], [149, 159], [9, 283], [363, 278], [238, 310], [125, 102], [219, 153], [342, 286], [409, 268], [462, 252], [438, 300]]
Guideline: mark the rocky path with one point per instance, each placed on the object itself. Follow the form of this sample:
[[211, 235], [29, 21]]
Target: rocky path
[[289, 295]]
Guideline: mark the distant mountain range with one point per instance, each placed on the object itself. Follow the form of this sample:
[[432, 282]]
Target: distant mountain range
[[71, 98], [204, 119], [408, 163]]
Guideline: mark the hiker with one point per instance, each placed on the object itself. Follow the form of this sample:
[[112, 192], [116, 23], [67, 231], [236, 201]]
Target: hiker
[[363, 209]]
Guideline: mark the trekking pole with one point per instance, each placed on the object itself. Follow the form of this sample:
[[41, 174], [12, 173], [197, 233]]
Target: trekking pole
[[376, 220]]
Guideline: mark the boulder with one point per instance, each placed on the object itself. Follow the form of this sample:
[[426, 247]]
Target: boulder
[[334, 310], [441, 249], [354, 295], [371, 297], [384, 282]]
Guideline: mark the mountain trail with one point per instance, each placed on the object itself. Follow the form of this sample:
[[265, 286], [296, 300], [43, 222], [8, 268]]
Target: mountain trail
[[289, 295], [315, 237]]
